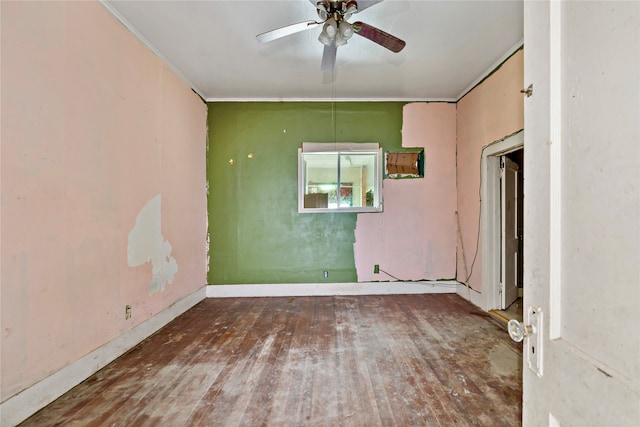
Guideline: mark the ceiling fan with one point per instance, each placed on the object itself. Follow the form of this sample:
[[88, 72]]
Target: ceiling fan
[[336, 30]]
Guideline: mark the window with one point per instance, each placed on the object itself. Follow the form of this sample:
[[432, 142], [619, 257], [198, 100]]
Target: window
[[340, 177]]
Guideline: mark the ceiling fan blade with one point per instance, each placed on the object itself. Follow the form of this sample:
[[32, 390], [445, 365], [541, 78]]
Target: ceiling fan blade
[[329, 58], [376, 35], [285, 31]]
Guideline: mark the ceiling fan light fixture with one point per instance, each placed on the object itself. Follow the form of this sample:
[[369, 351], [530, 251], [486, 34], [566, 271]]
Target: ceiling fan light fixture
[[323, 10], [324, 39], [345, 30], [349, 8], [330, 28], [340, 41]]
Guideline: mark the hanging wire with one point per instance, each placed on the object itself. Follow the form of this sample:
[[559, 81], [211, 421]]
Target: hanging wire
[[428, 282], [333, 105], [475, 255]]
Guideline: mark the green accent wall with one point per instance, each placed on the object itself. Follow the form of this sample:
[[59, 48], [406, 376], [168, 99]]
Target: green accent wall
[[256, 234]]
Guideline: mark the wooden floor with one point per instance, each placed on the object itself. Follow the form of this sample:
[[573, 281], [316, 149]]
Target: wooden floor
[[394, 360]]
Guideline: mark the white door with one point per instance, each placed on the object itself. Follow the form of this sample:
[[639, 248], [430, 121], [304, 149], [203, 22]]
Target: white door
[[509, 234], [582, 213]]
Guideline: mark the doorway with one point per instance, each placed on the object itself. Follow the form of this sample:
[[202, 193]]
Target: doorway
[[502, 226], [511, 233]]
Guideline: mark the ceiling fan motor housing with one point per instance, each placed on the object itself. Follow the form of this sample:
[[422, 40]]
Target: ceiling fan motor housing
[[338, 9]]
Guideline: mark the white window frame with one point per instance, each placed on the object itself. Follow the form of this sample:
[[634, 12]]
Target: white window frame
[[341, 148]]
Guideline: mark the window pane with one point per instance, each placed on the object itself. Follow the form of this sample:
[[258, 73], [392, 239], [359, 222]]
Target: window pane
[[357, 179], [321, 180]]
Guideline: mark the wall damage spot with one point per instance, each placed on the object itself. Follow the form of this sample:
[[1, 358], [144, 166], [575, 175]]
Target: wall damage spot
[[147, 244]]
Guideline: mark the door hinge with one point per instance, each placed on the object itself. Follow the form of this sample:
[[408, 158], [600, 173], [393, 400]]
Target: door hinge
[[528, 91]]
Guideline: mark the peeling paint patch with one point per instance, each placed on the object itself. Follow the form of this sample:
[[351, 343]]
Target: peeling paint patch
[[147, 244], [208, 253]]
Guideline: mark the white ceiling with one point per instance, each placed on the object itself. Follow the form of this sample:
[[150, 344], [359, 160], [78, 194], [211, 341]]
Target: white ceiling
[[451, 45]]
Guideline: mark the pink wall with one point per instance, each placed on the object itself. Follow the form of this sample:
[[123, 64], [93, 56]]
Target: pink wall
[[488, 113], [94, 126], [415, 237]]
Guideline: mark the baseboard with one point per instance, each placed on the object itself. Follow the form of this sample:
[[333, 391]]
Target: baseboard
[[331, 289], [26, 403], [471, 295]]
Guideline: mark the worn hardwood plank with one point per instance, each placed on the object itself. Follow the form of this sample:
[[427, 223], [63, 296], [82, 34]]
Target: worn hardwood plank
[[393, 360]]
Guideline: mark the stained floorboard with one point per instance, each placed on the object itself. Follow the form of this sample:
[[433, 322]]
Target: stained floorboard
[[393, 360]]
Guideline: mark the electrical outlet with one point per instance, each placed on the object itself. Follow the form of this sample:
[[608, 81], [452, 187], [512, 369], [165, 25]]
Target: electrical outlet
[[127, 312], [376, 269], [326, 274]]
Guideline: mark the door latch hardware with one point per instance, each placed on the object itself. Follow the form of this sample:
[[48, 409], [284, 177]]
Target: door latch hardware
[[518, 331], [532, 331]]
